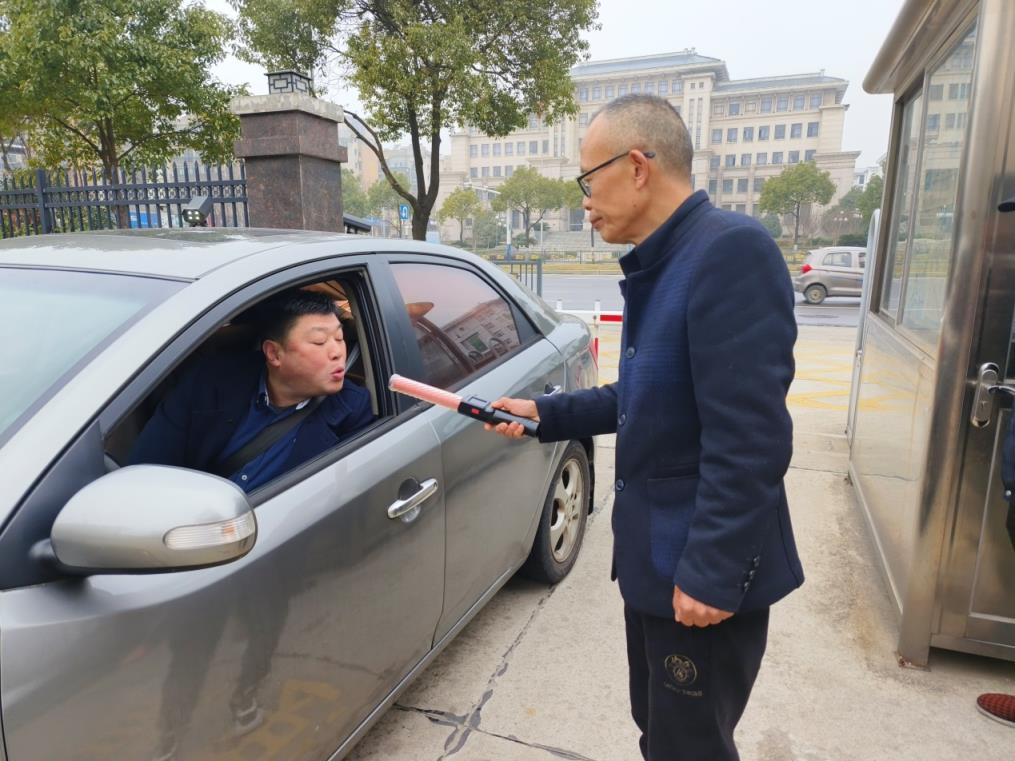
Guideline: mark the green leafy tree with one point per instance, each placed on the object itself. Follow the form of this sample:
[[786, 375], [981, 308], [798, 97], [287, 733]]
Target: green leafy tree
[[117, 82], [487, 229], [870, 199], [772, 224], [420, 67], [354, 198], [796, 188], [460, 205], [383, 201], [532, 195]]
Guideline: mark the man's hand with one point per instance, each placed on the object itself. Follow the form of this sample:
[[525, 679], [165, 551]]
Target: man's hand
[[519, 407], [690, 612]]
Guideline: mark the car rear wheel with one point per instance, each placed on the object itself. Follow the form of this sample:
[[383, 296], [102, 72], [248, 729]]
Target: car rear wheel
[[815, 294], [562, 523]]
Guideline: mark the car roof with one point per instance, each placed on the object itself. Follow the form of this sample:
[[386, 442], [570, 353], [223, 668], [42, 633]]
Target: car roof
[[185, 254], [833, 249]]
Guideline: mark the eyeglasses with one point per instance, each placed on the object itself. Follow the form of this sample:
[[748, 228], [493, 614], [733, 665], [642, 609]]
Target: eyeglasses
[[582, 179]]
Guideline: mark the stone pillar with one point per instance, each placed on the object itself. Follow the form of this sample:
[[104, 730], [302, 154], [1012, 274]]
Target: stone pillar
[[293, 160]]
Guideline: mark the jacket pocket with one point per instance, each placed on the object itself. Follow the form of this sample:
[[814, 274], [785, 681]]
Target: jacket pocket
[[671, 505]]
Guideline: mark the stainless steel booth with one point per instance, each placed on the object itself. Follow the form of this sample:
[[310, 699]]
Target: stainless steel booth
[[939, 313]]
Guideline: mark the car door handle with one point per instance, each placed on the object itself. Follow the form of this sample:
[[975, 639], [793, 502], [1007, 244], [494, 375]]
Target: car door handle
[[550, 388], [402, 508]]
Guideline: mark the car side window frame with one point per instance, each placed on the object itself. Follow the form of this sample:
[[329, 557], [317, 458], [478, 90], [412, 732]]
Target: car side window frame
[[528, 334]]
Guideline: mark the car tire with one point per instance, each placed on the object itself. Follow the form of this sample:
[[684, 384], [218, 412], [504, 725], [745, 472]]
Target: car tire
[[563, 519], [815, 294]]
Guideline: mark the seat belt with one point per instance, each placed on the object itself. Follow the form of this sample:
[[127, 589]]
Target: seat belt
[[264, 440]]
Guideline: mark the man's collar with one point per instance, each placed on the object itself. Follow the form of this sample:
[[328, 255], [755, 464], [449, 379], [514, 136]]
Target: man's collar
[[264, 400], [656, 245]]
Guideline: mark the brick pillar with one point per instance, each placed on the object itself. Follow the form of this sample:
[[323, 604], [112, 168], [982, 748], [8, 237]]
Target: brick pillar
[[293, 160]]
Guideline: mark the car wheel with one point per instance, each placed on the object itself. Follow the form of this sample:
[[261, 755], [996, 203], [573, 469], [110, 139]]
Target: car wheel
[[562, 523], [815, 294]]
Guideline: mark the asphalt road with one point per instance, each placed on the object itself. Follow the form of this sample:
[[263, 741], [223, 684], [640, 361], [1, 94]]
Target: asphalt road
[[580, 292]]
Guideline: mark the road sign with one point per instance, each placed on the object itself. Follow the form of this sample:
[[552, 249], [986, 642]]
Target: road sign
[[403, 211]]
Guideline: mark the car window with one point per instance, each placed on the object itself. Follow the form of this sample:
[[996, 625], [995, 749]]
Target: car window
[[461, 323], [838, 259], [51, 321]]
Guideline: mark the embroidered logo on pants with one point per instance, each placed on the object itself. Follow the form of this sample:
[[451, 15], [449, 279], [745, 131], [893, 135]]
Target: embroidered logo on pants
[[681, 670]]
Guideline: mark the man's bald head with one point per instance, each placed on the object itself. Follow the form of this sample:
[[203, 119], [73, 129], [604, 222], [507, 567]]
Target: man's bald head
[[647, 123]]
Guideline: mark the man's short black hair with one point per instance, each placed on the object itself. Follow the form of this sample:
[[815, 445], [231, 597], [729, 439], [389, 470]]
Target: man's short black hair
[[277, 314]]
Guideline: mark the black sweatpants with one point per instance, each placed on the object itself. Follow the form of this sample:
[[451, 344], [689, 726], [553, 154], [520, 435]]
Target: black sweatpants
[[689, 685]]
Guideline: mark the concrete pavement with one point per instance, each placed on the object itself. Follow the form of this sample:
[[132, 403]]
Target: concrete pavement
[[540, 674]]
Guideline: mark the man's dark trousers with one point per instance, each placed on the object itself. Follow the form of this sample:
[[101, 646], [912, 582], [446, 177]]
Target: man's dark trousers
[[689, 685]]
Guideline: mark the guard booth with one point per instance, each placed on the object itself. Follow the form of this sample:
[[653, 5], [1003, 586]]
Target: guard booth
[[939, 315]]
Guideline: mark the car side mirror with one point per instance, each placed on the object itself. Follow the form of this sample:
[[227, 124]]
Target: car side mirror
[[152, 518]]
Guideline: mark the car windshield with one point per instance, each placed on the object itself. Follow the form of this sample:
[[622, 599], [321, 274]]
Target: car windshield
[[54, 321]]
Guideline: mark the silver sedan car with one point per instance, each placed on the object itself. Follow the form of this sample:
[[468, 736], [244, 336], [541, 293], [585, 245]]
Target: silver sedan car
[[831, 271], [155, 612]]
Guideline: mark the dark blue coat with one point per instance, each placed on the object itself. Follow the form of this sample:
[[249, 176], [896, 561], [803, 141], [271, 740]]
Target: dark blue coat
[[198, 417], [703, 434]]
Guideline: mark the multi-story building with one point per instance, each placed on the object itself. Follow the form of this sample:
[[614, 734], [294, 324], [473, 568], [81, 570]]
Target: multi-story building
[[744, 131], [361, 160]]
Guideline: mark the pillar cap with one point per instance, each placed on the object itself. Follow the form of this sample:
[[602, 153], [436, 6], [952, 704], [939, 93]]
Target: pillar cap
[[265, 104]]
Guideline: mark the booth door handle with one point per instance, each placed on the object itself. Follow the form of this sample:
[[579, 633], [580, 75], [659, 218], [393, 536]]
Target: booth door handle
[[1007, 205], [983, 399]]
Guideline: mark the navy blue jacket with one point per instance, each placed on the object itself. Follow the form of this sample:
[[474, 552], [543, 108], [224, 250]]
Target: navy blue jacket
[[198, 417], [703, 434]]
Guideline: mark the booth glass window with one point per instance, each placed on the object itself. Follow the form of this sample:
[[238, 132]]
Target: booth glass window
[[930, 251], [905, 178]]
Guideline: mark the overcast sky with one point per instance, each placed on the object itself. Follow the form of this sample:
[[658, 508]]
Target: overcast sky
[[755, 39]]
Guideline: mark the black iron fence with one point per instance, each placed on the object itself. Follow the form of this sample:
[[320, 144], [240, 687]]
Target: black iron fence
[[44, 201], [526, 268]]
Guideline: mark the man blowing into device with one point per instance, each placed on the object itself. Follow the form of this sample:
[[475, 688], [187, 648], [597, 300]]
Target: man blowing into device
[[702, 537]]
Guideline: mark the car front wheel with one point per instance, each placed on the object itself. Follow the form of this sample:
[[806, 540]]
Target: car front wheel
[[815, 294], [562, 523]]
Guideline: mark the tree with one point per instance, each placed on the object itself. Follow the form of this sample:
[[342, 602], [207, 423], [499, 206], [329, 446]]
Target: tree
[[461, 204], [487, 230], [532, 195], [420, 67], [383, 201], [354, 198], [772, 224], [797, 187], [870, 199], [117, 82]]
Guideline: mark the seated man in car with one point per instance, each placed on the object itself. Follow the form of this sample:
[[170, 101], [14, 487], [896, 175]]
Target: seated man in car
[[250, 418]]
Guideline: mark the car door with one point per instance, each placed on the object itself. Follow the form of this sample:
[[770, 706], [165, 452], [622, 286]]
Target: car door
[[311, 630], [838, 265], [472, 339]]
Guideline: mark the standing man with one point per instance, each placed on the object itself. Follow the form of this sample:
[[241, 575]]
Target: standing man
[[702, 536]]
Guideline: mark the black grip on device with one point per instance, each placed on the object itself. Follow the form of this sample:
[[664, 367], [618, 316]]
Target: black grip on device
[[480, 409]]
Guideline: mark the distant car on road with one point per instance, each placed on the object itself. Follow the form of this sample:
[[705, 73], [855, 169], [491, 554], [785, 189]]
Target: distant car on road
[[154, 612], [831, 271]]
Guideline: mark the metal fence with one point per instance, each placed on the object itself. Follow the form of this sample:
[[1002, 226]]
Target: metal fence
[[527, 269], [72, 201]]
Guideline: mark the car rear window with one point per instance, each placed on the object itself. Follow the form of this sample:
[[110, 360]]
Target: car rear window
[[53, 321], [839, 259]]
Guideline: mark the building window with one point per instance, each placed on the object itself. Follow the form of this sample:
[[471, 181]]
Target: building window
[[812, 129], [759, 183], [473, 151], [745, 159], [583, 119], [521, 147], [748, 134], [796, 130], [546, 147], [949, 121], [742, 185], [741, 208], [621, 90], [794, 157], [816, 101], [496, 149], [609, 92], [583, 94], [496, 171], [664, 87], [533, 122], [763, 133], [473, 172], [731, 135], [485, 172], [716, 136], [936, 92], [484, 150], [635, 88], [650, 88], [727, 186], [809, 155], [734, 109], [533, 147], [717, 109], [509, 170], [692, 85], [713, 186], [798, 102], [780, 131], [731, 160], [597, 93], [509, 149], [782, 103], [713, 163], [933, 122], [777, 157], [761, 159], [678, 87], [766, 104]]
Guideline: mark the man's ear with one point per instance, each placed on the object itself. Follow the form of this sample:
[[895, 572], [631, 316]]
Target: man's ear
[[272, 352], [641, 170]]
